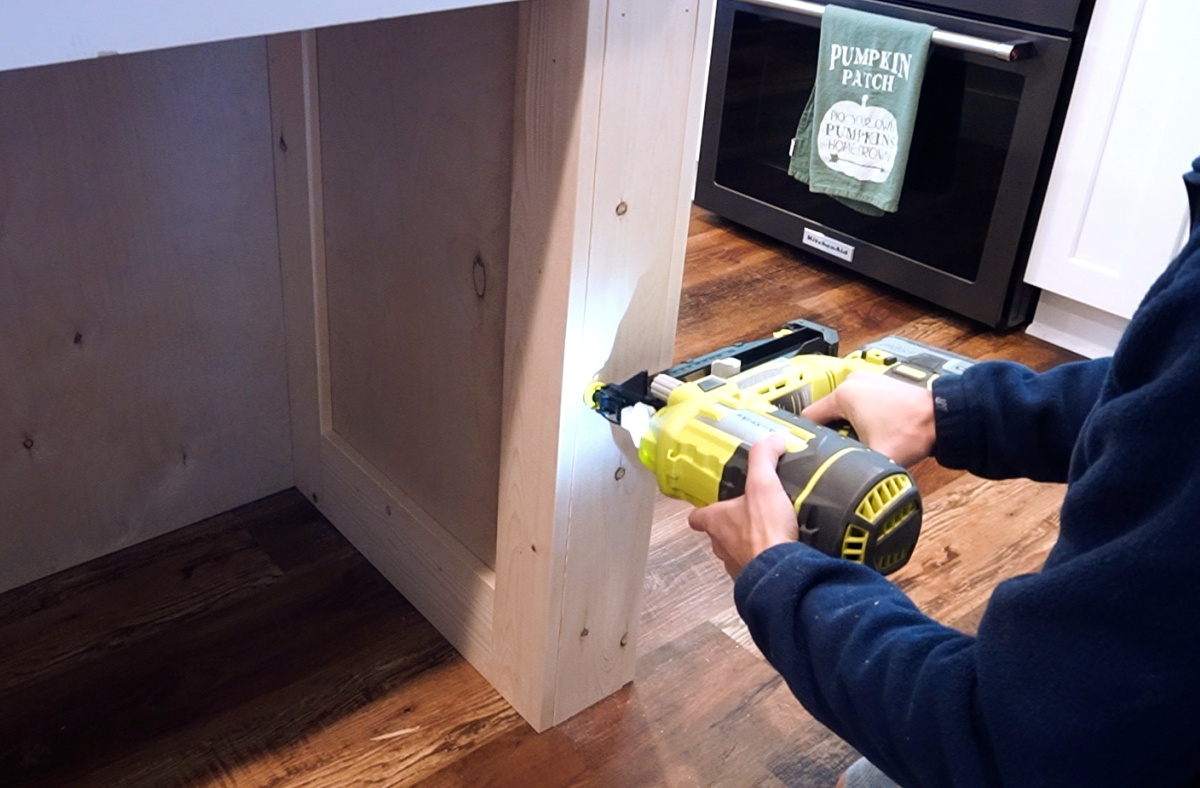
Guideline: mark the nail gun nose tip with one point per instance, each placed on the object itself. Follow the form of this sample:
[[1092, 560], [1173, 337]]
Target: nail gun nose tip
[[591, 395]]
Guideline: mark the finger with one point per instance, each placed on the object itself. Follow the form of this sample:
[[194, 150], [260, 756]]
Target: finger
[[703, 518], [763, 460], [718, 549], [825, 410], [732, 567]]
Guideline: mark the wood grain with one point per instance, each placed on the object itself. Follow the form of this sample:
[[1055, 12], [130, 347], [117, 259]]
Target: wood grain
[[599, 217], [300, 216], [416, 118], [277, 668], [142, 368]]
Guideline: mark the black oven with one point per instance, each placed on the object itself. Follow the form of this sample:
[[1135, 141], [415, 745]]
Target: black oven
[[987, 122]]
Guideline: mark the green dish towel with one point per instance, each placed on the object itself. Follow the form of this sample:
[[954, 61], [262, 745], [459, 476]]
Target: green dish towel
[[868, 82]]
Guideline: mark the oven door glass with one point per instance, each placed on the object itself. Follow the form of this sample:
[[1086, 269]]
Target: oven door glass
[[976, 148]]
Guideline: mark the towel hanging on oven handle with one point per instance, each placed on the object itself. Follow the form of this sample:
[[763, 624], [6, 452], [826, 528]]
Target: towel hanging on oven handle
[[1001, 50]]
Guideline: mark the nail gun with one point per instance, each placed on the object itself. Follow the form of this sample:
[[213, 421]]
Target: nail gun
[[699, 418]]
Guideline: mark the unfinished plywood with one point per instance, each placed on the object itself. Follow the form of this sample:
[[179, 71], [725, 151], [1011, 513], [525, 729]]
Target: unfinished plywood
[[142, 362], [416, 149], [597, 181]]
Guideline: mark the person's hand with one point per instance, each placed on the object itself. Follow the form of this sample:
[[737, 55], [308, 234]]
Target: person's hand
[[743, 527], [892, 417]]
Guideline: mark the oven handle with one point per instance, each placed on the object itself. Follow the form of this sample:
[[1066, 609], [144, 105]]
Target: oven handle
[[1001, 50]]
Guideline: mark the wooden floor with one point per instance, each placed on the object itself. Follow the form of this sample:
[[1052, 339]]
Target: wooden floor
[[259, 649]]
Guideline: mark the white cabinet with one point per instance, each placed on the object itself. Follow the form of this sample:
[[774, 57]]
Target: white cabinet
[[1116, 209]]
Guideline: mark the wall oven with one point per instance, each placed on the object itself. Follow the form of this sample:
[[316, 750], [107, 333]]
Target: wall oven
[[987, 122]]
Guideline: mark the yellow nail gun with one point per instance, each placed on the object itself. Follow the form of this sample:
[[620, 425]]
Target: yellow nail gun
[[704, 414]]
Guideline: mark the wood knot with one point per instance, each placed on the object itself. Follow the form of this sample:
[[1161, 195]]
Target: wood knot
[[479, 276]]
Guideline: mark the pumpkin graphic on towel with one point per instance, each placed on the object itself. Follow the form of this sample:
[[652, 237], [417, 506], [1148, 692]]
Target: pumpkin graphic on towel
[[858, 140]]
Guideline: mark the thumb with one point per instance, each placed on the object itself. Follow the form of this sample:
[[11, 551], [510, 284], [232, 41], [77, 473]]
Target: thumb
[[702, 518]]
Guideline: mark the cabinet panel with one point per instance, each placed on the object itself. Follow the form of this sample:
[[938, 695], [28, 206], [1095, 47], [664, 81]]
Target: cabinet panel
[[1116, 210], [416, 183]]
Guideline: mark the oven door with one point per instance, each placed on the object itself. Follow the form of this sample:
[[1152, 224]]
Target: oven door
[[961, 234]]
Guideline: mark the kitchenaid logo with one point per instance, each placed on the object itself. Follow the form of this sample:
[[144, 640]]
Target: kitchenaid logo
[[828, 245]]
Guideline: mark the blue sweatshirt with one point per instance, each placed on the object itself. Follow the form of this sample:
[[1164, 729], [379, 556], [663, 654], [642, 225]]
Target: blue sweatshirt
[[1086, 673]]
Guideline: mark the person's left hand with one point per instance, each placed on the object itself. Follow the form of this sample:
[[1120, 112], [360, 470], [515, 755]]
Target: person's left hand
[[763, 517]]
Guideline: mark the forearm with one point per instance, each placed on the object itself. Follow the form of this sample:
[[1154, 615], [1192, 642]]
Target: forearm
[[1002, 420], [866, 663], [1060, 676]]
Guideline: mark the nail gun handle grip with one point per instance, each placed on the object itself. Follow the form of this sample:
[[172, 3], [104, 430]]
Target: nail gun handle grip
[[851, 502]]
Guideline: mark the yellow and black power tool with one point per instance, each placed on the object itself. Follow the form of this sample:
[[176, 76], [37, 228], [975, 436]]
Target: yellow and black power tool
[[851, 502]]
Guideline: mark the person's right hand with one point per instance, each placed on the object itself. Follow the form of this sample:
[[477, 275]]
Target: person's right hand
[[892, 417]]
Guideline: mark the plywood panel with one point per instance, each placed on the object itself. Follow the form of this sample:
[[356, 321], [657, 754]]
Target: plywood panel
[[142, 369], [416, 151]]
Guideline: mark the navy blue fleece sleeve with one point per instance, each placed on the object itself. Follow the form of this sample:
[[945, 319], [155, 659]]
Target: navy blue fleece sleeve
[[1001, 420], [866, 663], [1083, 674]]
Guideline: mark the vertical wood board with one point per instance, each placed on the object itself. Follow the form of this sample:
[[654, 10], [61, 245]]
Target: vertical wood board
[[142, 368], [627, 323], [557, 110], [557, 560], [297, 144], [596, 262]]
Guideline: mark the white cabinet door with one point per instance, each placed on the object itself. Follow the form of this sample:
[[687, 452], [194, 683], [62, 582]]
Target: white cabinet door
[[1116, 209]]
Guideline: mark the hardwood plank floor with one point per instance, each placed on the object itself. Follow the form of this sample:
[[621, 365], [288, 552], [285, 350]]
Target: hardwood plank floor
[[259, 649]]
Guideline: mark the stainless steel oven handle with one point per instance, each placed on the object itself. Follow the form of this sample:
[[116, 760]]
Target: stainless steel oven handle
[[1001, 50]]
